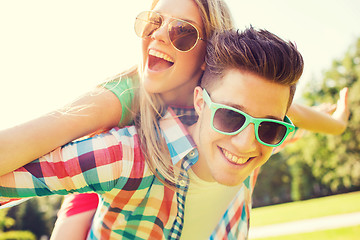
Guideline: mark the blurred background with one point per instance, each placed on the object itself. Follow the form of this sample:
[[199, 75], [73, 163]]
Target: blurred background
[[53, 51]]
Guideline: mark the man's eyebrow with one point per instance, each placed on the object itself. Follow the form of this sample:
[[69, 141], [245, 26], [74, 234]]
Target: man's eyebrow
[[244, 109]]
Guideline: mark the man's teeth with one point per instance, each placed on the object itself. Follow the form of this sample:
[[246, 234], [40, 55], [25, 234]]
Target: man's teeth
[[160, 55], [233, 158]]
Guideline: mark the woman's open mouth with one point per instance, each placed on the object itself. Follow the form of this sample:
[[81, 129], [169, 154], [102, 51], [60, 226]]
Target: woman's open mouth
[[159, 61]]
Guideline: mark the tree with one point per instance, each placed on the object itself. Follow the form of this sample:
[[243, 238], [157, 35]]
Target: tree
[[7, 222], [334, 160], [36, 215]]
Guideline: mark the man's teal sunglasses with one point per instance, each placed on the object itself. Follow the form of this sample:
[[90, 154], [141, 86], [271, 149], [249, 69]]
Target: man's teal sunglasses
[[230, 121]]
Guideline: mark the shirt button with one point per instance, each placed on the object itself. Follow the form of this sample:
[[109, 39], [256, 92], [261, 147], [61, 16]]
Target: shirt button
[[182, 183], [192, 153]]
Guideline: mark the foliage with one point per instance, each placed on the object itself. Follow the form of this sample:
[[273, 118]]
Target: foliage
[[273, 184], [36, 215], [331, 164], [17, 235], [7, 222]]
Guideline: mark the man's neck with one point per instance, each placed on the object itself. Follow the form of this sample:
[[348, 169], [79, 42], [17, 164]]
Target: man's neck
[[200, 165]]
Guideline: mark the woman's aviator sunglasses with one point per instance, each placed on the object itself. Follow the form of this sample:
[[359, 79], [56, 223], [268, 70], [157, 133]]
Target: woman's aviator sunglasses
[[230, 121], [182, 34]]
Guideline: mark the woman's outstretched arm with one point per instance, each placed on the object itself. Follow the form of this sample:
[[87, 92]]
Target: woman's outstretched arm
[[19, 145], [311, 119]]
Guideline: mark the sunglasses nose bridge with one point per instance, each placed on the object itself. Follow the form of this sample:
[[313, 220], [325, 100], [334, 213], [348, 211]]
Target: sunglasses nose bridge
[[162, 32], [245, 139], [256, 122]]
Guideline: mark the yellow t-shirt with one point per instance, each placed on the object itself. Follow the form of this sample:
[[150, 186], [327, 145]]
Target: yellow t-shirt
[[206, 203]]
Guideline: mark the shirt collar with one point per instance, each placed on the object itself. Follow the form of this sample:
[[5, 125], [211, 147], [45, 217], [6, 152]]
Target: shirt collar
[[178, 139]]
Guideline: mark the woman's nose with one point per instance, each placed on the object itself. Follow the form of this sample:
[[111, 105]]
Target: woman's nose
[[161, 34]]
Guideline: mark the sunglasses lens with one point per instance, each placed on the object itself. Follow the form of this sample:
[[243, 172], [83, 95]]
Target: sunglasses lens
[[229, 121], [182, 35], [226, 120], [146, 23], [271, 132]]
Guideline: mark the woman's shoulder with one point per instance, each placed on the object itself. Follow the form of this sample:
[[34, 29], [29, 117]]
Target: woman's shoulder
[[129, 78]]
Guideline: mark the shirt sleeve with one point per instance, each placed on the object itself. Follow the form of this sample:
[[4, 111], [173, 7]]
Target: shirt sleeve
[[123, 88], [96, 164]]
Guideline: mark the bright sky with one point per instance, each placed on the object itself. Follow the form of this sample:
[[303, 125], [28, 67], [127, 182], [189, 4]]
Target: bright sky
[[53, 51]]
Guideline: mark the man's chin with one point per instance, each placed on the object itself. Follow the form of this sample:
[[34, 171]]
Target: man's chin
[[231, 181]]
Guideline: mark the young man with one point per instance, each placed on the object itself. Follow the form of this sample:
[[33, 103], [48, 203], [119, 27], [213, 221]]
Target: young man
[[245, 92]]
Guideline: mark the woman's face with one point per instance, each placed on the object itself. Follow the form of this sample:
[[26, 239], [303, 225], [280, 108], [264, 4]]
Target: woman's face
[[167, 71]]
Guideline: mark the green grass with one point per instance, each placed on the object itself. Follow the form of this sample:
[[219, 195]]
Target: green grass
[[313, 208], [348, 233]]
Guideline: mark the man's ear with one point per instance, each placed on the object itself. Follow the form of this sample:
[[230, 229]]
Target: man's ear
[[198, 100]]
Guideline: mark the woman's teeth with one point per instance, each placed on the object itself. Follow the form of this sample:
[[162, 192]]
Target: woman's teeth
[[233, 158], [158, 61], [160, 55]]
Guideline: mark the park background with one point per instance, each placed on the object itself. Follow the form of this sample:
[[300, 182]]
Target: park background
[[53, 51]]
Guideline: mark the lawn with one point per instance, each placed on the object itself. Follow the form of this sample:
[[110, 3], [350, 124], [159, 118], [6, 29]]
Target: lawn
[[313, 208], [349, 233]]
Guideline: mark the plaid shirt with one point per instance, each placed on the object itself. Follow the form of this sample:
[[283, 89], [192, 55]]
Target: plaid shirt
[[134, 203]]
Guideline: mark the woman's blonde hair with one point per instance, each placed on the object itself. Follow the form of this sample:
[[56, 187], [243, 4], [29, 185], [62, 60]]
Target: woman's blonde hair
[[215, 16]]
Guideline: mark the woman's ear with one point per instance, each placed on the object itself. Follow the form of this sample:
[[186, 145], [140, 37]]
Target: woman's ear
[[203, 66], [198, 100]]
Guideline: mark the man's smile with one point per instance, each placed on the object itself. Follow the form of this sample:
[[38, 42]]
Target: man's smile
[[231, 157]]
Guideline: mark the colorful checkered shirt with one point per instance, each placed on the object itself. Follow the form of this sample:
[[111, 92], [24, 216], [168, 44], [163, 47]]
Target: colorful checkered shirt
[[134, 203]]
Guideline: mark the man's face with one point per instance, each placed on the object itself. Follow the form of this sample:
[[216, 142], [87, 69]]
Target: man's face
[[229, 159]]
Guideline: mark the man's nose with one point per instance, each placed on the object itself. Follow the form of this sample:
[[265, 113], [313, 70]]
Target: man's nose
[[246, 139]]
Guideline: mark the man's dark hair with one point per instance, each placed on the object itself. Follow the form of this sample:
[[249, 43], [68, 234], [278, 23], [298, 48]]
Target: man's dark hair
[[255, 51]]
